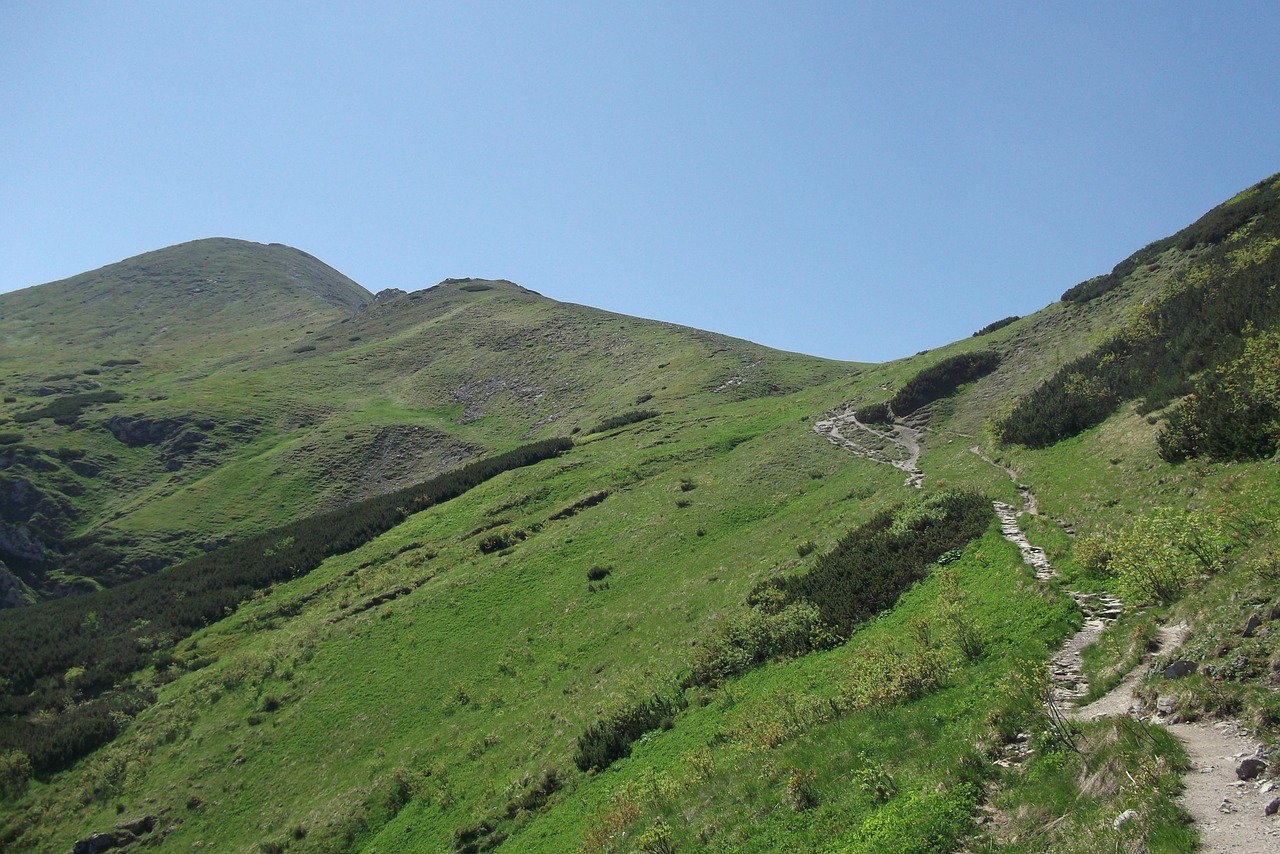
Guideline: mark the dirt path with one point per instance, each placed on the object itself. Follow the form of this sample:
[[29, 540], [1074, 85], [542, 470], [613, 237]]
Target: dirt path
[[1228, 812], [1120, 700], [898, 446], [1028, 497]]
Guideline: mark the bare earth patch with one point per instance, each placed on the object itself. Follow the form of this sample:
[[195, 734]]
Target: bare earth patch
[[1229, 812]]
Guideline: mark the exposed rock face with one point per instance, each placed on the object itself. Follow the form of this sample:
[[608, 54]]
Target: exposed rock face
[[124, 836], [13, 593], [18, 541], [138, 430], [18, 499], [180, 438]]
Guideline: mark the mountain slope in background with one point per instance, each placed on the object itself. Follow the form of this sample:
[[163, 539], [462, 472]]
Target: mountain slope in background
[[205, 391]]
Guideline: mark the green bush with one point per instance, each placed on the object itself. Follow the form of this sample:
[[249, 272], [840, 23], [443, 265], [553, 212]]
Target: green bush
[[920, 822], [101, 631], [942, 379], [1198, 322], [999, 324], [874, 563], [1164, 552], [65, 410], [623, 420], [610, 738], [771, 629], [15, 771], [1234, 413]]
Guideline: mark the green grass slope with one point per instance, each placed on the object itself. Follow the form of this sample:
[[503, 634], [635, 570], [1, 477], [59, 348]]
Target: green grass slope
[[427, 691]]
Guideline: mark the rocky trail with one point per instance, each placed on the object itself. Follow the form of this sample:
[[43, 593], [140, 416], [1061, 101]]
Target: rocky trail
[[1100, 610], [897, 445], [1233, 809]]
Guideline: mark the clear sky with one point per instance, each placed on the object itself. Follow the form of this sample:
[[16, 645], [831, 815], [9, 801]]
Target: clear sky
[[858, 180]]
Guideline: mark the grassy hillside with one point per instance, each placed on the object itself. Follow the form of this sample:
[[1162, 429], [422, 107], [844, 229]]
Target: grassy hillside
[[432, 688], [214, 389]]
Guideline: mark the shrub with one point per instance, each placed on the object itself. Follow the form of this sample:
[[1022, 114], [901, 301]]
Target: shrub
[[10, 437], [1163, 552], [610, 738], [536, 795], [623, 420], [799, 793], [874, 413], [504, 540], [770, 629], [15, 771], [1234, 413], [889, 677], [998, 324], [657, 839], [919, 822], [875, 781], [874, 563], [942, 379], [66, 409], [101, 631], [578, 506], [1197, 323], [597, 573]]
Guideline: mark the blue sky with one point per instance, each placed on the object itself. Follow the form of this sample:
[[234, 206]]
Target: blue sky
[[853, 180]]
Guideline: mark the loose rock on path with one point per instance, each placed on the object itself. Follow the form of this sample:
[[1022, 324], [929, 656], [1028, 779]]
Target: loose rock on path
[[1229, 812]]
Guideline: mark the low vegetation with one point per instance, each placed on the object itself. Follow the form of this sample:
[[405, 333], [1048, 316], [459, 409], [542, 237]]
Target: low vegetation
[[67, 408], [623, 420], [770, 650], [110, 635], [933, 383], [1199, 321]]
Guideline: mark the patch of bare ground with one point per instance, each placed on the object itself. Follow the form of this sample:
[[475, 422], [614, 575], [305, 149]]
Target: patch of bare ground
[[897, 444], [1230, 812]]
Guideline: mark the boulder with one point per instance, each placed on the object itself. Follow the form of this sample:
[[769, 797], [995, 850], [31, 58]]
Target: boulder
[[1178, 669], [1250, 768], [97, 842], [1124, 818], [1251, 626]]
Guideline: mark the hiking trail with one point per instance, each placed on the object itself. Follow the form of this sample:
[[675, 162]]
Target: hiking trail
[[1229, 812]]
